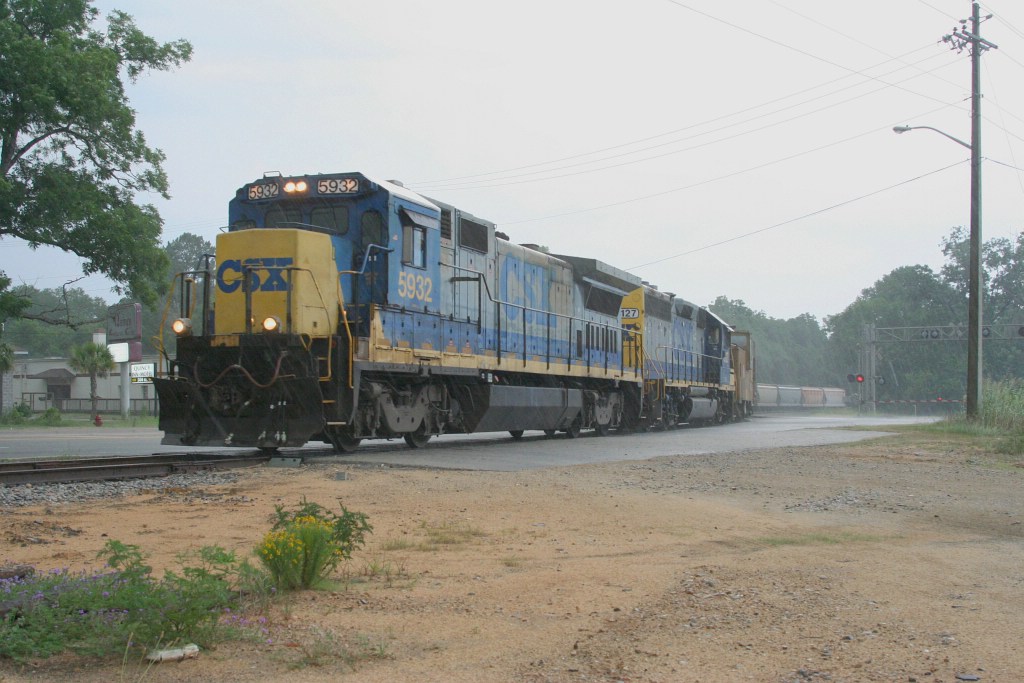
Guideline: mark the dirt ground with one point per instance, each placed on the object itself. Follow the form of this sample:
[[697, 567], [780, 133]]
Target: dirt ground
[[897, 559]]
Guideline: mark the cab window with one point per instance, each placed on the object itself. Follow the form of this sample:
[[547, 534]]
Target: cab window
[[280, 217], [414, 237], [331, 218], [416, 240], [372, 228]]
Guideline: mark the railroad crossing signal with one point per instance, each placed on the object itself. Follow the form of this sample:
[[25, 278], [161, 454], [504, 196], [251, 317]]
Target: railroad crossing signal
[[858, 378], [1000, 332]]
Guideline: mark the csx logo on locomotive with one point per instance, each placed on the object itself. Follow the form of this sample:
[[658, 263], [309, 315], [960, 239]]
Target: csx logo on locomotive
[[265, 274]]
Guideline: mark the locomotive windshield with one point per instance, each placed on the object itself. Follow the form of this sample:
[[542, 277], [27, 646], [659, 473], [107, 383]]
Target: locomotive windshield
[[324, 204]]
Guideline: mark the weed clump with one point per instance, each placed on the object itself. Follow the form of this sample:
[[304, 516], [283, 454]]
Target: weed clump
[[209, 598], [306, 544]]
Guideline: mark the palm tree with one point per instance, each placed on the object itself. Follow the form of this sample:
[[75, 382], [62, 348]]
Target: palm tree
[[94, 360], [6, 358]]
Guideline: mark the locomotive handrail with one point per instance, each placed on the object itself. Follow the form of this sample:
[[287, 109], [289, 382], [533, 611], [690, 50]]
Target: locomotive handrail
[[370, 248], [247, 270], [159, 339], [699, 368], [366, 259], [689, 372], [571, 318]]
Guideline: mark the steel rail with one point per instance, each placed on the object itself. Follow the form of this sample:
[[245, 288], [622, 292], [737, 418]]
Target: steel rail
[[53, 471]]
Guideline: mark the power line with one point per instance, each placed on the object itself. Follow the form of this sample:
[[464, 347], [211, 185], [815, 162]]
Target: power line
[[683, 129], [434, 185], [708, 180], [850, 38], [1002, 163], [1009, 144], [794, 220], [1004, 21], [942, 12], [512, 179], [782, 44]]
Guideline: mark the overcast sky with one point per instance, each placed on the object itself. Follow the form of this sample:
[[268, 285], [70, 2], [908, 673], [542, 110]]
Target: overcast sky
[[741, 149]]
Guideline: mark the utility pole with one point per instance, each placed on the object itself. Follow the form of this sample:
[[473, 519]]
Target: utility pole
[[961, 38]]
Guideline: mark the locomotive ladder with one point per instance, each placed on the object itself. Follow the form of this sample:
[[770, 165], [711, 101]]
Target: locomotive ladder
[[329, 376], [325, 369]]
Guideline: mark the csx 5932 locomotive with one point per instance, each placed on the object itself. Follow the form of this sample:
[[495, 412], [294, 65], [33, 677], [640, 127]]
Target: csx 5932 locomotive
[[342, 308]]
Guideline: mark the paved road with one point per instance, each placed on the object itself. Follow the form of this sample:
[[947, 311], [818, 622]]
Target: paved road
[[488, 451]]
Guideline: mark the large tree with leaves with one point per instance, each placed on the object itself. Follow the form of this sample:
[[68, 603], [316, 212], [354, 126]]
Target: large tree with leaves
[[11, 305], [71, 158], [186, 253], [55, 321], [786, 351], [913, 296]]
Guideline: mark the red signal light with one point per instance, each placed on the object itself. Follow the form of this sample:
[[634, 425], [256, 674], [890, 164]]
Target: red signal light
[[860, 379]]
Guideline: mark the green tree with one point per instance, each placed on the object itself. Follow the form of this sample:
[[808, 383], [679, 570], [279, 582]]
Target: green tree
[[71, 158], [789, 351], [1002, 262], [6, 358], [185, 253], [910, 296], [11, 306], [55, 320], [94, 360]]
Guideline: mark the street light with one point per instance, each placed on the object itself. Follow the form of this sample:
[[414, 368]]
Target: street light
[[904, 129], [974, 364]]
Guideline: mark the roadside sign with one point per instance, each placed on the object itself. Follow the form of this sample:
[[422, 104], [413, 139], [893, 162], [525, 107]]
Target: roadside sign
[[142, 373], [124, 323]]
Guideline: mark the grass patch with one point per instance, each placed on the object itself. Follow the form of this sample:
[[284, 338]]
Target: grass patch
[[98, 614], [325, 648], [819, 538], [451, 533], [954, 438], [512, 561], [393, 544], [125, 610], [381, 568], [446, 535], [1000, 424], [54, 418]]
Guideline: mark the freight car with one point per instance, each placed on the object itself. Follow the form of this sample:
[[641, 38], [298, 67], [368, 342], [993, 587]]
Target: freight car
[[342, 308], [774, 396]]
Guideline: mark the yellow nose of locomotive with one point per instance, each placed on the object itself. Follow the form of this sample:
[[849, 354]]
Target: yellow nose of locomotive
[[279, 281]]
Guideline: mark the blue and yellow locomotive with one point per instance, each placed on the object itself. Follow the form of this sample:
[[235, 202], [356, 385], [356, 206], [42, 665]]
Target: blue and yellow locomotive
[[343, 308]]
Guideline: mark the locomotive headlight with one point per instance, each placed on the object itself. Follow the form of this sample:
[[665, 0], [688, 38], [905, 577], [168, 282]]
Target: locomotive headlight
[[293, 186], [272, 324], [182, 327]]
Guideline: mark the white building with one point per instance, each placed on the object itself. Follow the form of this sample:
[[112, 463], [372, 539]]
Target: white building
[[42, 383]]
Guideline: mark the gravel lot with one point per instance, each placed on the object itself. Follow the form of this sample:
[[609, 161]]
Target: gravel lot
[[899, 559]]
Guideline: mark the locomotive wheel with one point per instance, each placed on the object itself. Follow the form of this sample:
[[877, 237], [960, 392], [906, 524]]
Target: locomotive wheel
[[417, 439], [344, 442], [516, 433], [602, 430], [549, 433]]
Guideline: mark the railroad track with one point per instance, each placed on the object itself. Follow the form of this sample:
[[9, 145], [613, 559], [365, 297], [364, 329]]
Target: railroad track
[[52, 471]]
